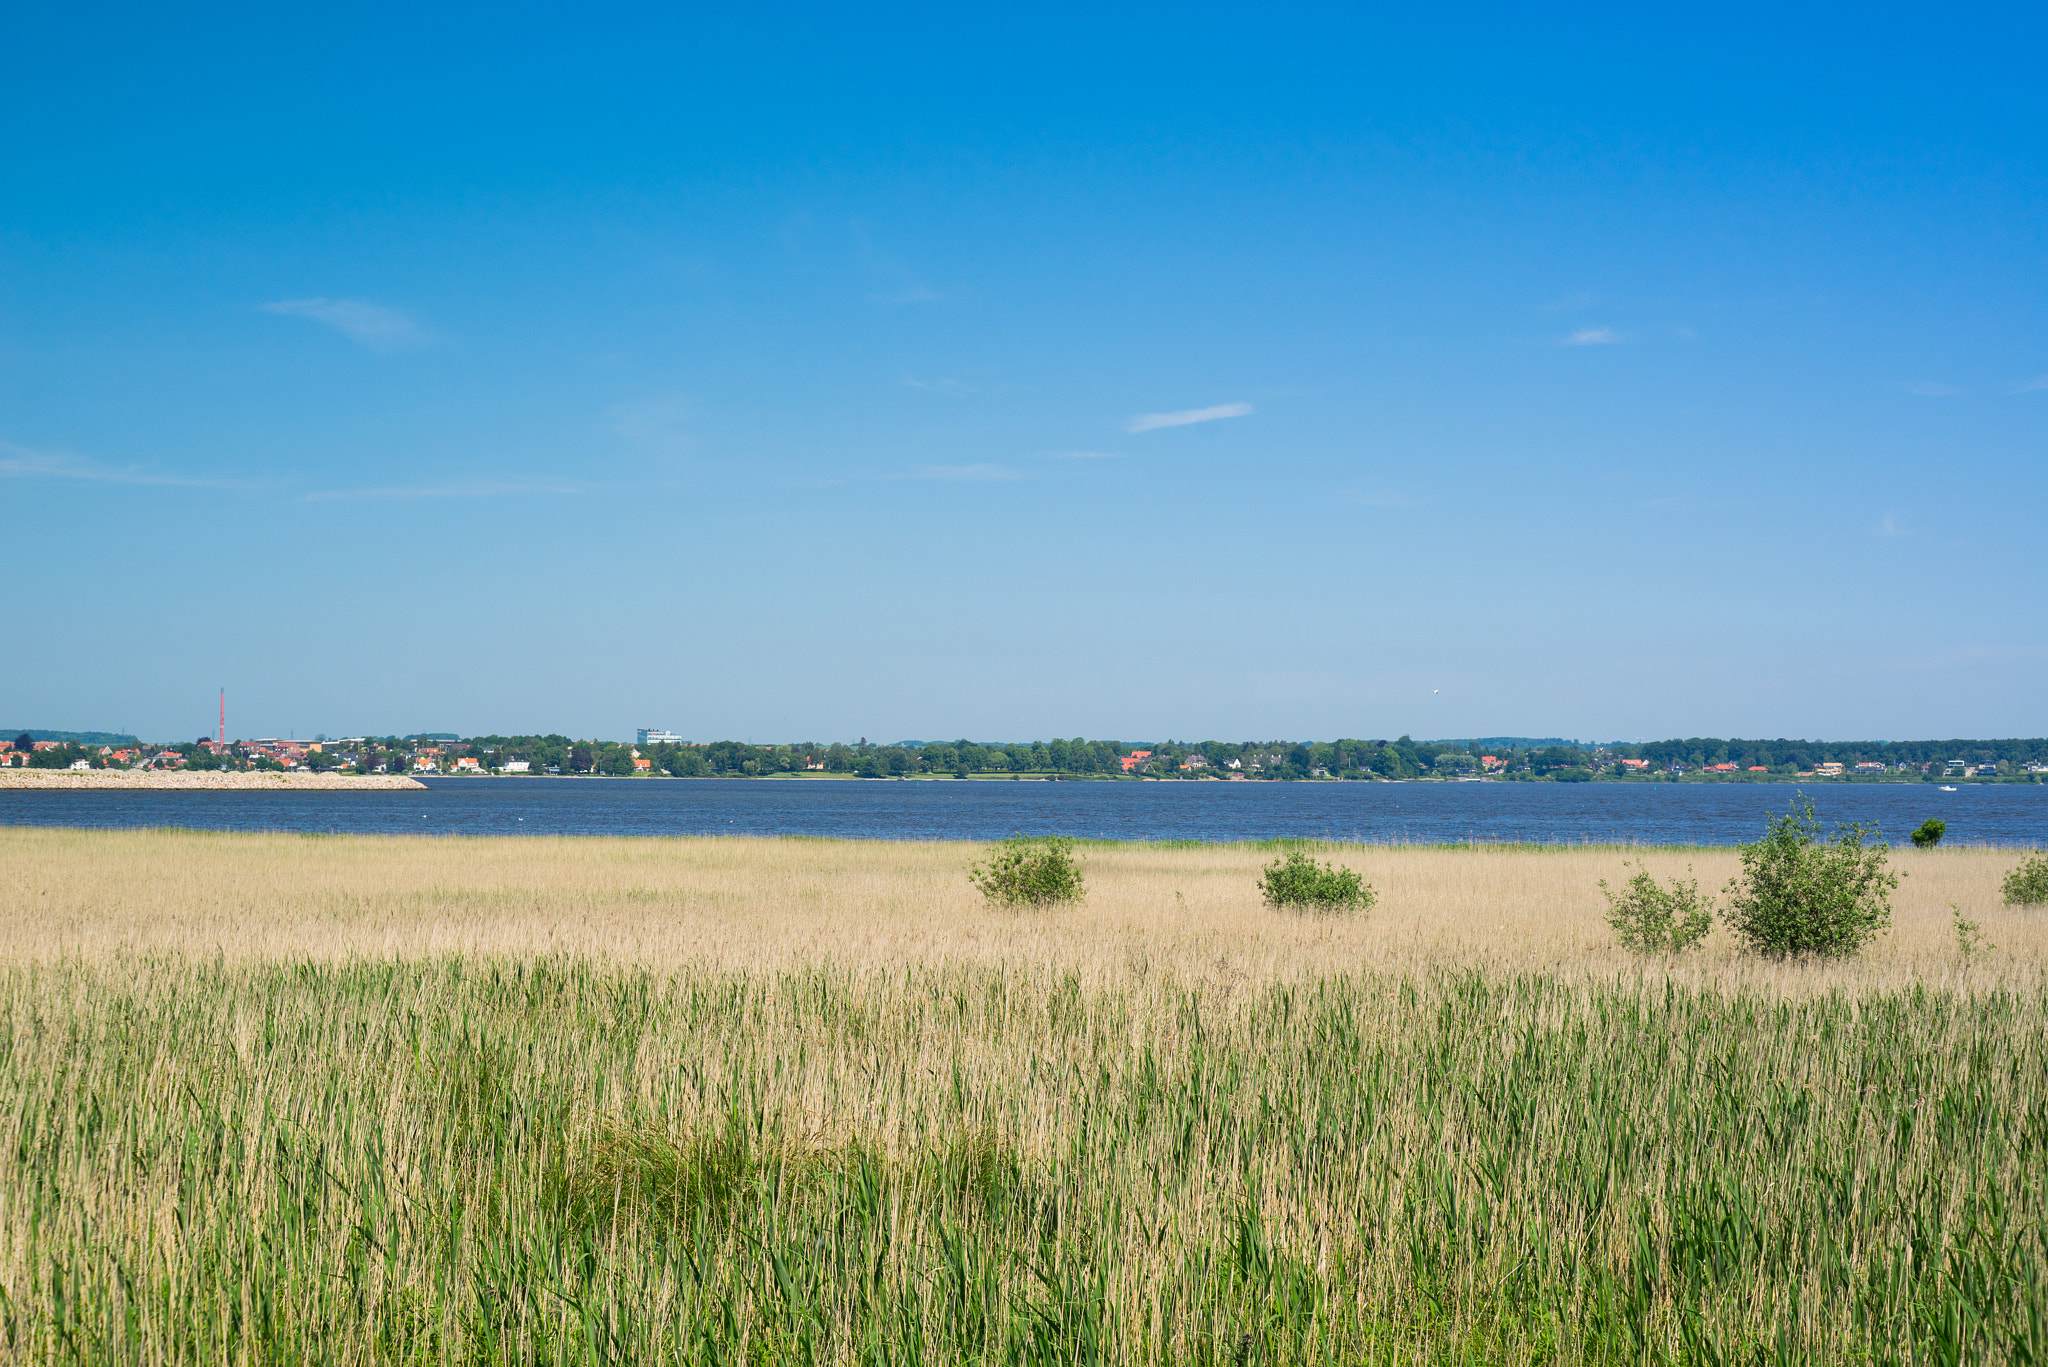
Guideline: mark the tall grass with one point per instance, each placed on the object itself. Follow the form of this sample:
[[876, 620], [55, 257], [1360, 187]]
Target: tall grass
[[285, 1149]]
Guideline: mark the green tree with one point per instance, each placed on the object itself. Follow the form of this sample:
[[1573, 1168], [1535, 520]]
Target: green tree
[[1930, 833], [1296, 880], [1040, 871], [1805, 893], [1650, 918], [2027, 885]]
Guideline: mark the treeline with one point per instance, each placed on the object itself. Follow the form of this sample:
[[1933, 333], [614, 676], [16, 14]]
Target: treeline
[[734, 759], [1793, 755], [1075, 758], [1401, 758]]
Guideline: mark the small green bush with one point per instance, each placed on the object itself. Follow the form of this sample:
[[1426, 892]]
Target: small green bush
[[1296, 880], [1930, 833], [1653, 919], [1041, 871], [1802, 892], [1970, 941], [2027, 885]]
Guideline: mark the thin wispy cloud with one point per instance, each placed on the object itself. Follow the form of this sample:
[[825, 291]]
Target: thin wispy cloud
[[1928, 389], [372, 325], [460, 489], [1592, 337], [1889, 526], [2033, 386], [661, 420], [966, 474], [1186, 417], [950, 388], [19, 462]]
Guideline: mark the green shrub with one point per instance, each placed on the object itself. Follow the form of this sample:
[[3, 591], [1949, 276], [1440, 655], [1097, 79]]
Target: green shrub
[[1970, 941], [1651, 918], [1930, 833], [2027, 885], [1296, 880], [1802, 892], [1039, 870]]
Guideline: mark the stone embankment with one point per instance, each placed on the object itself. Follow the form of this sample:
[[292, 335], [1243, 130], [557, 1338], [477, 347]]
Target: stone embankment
[[253, 781]]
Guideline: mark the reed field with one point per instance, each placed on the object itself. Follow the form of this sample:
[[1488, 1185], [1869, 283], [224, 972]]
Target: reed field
[[299, 1099]]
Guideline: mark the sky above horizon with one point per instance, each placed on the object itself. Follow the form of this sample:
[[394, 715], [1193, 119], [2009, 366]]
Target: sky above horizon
[[1196, 373]]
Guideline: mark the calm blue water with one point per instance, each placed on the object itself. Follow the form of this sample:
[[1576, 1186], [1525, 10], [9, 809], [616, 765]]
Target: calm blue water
[[1665, 813]]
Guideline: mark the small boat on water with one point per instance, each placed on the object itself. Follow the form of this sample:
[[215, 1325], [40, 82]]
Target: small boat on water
[[1948, 787]]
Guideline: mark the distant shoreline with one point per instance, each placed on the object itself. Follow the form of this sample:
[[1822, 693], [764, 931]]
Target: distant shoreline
[[207, 779]]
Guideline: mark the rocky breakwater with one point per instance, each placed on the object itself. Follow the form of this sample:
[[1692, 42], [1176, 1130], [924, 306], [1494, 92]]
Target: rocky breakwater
[[207, 779]]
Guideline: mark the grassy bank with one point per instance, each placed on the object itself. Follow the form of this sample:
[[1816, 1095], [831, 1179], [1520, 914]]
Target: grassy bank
[[282, 1099]]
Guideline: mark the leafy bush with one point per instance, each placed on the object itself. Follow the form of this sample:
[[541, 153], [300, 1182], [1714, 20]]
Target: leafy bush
[[1041, 871], [1802, 892], [2027, 885], [1296, 880], [1970, 941], [1930, 833], [1651, 918]]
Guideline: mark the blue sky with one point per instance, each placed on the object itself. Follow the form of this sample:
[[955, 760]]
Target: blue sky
[[912, 373]]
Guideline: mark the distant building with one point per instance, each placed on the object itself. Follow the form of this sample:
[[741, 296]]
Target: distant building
[[642, 766], [517, 766], [1758, 769], [468, 765], [649, 735], [1134, 759]]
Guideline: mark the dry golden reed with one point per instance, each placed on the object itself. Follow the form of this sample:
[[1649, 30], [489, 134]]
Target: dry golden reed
[[770, 904], [293, 1099]]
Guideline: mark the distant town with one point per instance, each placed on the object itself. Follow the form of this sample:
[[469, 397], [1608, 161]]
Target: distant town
[[658, 753]]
